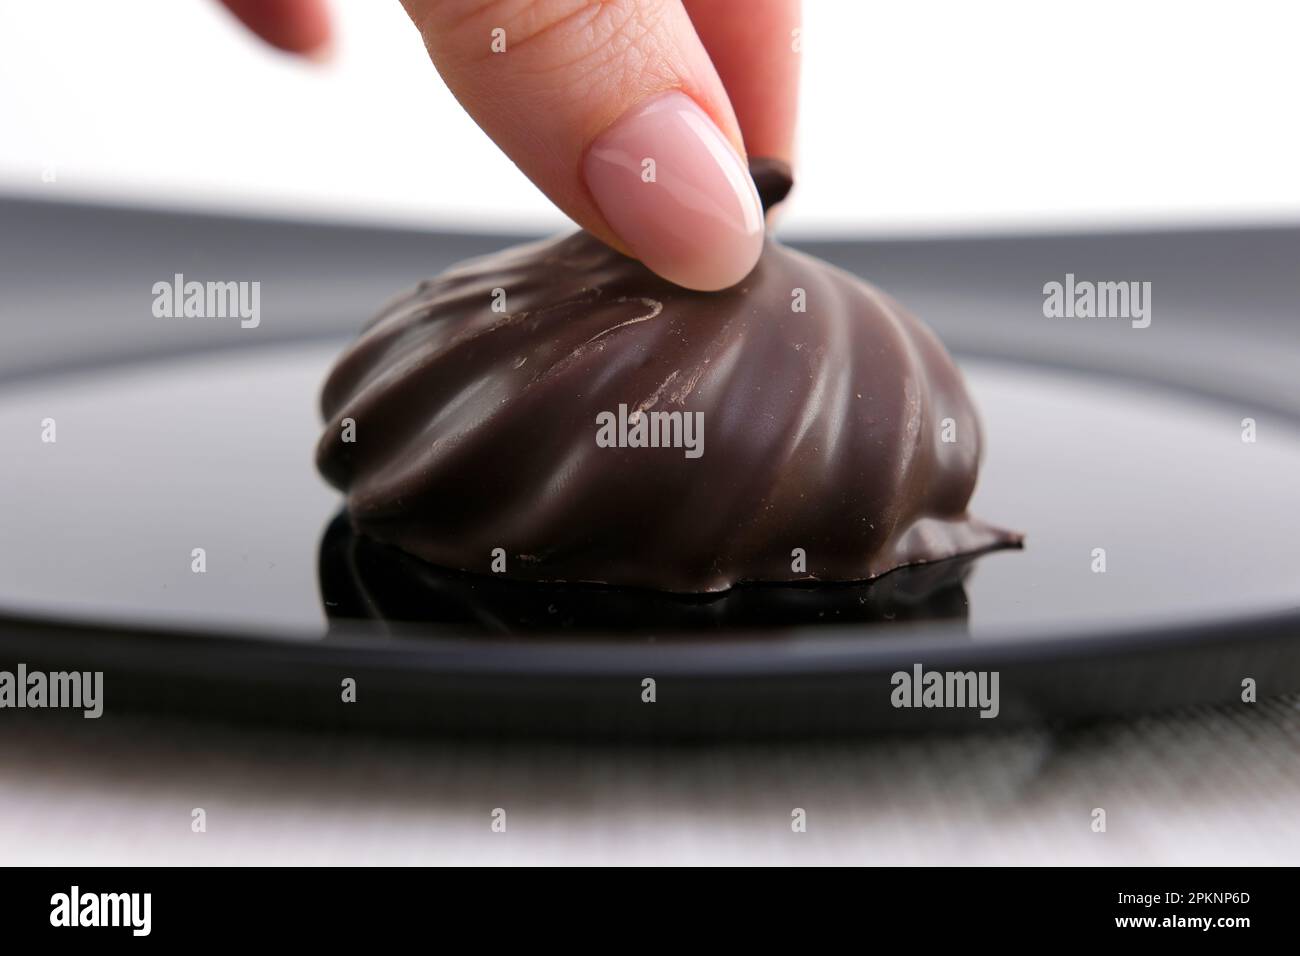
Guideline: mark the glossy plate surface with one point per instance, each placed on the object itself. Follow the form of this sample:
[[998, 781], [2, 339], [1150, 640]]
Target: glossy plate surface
[[201, 445]]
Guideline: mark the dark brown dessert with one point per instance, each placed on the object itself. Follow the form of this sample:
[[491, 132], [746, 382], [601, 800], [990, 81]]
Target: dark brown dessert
[[557, 412]]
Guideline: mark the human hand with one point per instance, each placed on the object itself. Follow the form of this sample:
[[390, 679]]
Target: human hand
[[628, 114]]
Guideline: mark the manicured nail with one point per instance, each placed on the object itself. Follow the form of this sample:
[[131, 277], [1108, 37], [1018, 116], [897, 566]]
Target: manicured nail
[[676, 192]]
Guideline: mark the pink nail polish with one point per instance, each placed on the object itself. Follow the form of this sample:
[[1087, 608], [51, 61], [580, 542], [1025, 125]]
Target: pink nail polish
[[676, 192]]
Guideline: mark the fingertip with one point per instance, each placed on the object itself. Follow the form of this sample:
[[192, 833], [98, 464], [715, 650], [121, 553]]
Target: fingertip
[[756, 47], [586, 98], [301, 27]]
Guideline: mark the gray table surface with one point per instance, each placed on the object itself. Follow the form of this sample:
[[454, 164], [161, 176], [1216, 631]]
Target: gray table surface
[[1206, 786]]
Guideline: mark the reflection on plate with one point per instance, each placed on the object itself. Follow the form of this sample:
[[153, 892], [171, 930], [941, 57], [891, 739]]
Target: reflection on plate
[[364, 579]]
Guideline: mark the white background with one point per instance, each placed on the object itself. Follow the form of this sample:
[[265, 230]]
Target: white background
[[918, 117]]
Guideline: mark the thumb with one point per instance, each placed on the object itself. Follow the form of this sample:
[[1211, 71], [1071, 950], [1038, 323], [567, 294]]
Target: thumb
[[615, 111]]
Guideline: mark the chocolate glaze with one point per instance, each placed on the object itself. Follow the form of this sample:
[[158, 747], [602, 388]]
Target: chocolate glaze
[[823, 429]]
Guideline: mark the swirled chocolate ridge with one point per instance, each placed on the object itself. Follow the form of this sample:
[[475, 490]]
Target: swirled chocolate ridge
[[800, 426]]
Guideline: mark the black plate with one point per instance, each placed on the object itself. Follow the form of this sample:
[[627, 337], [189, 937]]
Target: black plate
[[174, 434]]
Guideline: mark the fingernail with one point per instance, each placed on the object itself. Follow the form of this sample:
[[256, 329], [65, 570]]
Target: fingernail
[[675, 191]]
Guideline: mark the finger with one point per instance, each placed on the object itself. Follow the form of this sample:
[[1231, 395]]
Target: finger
[[296, 26], [615, 111], [755, 47]]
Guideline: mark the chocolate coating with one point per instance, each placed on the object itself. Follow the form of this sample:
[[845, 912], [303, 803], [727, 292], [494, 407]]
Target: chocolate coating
[[822, 429]]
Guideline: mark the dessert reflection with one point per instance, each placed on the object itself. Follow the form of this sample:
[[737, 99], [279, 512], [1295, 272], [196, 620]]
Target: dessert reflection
[[366, 580]]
